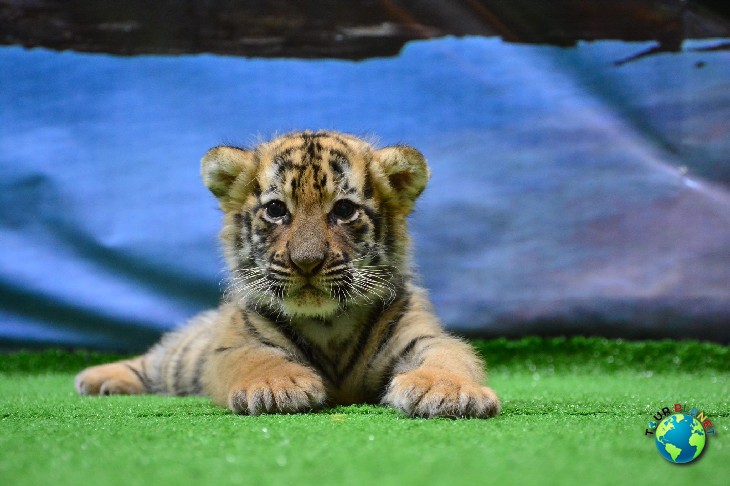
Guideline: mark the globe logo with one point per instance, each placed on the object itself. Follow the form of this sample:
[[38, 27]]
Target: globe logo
[[680, 435], [680, 438]]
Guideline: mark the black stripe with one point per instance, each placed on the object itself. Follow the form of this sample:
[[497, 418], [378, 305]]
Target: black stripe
[[412, 344], [361, 343], [179, 365], [376, 259], [338, 162], [314, 356], [283, 163], [376, 220], [152, 386], [198, 370], [389, 370], [340, 140], [286, 153], [244, 232], [256, 334], [392, 325], [334, 263], [142, 377], [340, 156], [221, 349], [368, 186], [359, 230], [193, 337], [310, 147]]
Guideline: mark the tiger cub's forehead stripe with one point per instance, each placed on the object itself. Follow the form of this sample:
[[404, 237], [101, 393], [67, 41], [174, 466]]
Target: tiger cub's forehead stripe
[[338, 162], [314, 166]]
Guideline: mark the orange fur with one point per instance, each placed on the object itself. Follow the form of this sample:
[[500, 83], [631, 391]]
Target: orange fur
[[109, 379]]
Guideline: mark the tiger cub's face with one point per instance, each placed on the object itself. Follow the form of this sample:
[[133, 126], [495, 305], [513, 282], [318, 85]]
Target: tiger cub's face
[[315, 221]]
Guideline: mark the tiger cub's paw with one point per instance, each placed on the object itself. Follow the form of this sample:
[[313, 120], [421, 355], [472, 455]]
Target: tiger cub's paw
[[437, 393], [288, 388], [108, 379]]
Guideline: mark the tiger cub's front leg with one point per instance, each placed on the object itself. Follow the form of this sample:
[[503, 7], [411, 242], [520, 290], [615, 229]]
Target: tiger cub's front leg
[[256, 380], [120, 378], [435, 374], [441, 377]]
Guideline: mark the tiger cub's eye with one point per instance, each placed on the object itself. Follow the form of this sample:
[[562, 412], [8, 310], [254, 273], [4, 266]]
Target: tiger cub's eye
[[276, 209], [344, 209]]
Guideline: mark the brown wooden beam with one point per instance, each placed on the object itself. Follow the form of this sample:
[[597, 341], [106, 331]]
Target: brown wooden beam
[[354, 29]]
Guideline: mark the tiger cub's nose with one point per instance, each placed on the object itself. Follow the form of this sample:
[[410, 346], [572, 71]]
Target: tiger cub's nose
[[307, 263]]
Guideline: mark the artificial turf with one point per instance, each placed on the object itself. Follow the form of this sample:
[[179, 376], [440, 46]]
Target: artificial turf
[[574, 412]]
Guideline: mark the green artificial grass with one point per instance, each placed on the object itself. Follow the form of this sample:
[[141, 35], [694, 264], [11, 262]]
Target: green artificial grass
[[574, 412]]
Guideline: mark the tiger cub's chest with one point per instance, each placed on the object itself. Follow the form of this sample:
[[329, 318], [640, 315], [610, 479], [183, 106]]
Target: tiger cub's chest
[[338, 351]]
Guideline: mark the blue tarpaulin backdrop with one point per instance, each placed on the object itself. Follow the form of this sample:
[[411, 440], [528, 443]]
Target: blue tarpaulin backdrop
[[570, 195]]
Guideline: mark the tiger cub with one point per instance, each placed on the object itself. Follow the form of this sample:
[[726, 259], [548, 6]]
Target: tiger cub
[[322, 307]]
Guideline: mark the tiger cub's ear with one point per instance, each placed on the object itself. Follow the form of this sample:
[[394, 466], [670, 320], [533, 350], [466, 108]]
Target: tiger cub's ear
[[222, 166], [406, 173]]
